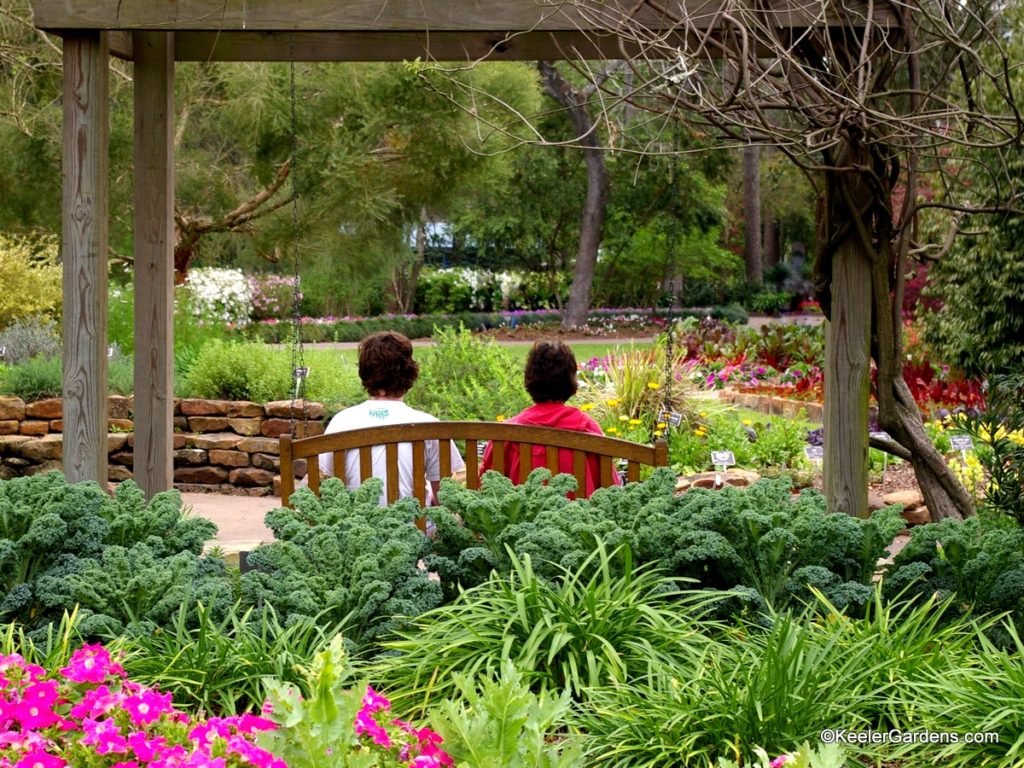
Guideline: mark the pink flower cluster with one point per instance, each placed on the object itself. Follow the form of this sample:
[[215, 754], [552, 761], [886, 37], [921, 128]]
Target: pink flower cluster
[[90, 713], [416, 747]]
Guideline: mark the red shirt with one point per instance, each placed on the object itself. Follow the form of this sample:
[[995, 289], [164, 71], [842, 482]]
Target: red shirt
[[557, 415]]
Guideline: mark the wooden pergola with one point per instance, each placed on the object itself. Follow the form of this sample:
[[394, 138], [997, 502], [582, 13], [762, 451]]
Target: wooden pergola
[[154, 34]]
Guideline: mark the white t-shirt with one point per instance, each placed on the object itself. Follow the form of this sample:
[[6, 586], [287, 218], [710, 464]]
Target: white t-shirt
[[378, 413]]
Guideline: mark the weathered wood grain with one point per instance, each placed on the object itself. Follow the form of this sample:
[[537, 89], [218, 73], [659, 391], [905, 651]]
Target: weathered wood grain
[[429, 16], [154, 260], [847, 382], [84, 252]]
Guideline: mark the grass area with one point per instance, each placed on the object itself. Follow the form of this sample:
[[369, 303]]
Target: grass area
[[584, 351]]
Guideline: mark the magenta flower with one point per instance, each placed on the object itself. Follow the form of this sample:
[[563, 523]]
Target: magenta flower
[[254, 755], [95, 702], [104, 735], [40, 759], [145, 748], [91, 664], [35, 710], [247, 723], [373, 701], [366, 724], [147, 706]]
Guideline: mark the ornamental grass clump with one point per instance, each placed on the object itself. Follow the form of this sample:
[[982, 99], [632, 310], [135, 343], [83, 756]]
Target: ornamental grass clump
[[606, 621], [89, 714]]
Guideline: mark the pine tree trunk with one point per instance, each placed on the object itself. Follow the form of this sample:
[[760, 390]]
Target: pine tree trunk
[[592, 220]]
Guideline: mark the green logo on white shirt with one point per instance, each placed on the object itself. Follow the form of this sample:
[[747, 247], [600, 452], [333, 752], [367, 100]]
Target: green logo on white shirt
[[379, 413]]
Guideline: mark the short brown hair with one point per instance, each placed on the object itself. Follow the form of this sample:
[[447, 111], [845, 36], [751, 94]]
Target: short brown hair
[[550, 375], [386, 365]]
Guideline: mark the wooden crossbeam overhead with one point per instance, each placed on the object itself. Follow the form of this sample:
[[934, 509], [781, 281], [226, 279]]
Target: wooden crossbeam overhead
[[396, 30]]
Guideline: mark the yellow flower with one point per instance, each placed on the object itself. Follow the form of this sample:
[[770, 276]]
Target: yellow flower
[[612, 403], [623, 417], [587, 407], [699, 432], [653, 385], [661, 425], [634, 422], [657, 433], [499, 417], [747, 423], [612, 431], [703, 414]]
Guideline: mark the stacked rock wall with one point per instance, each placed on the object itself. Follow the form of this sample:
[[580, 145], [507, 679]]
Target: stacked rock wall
[[219, 446]]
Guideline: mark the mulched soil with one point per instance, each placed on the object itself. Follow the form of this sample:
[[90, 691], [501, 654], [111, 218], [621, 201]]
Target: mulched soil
[[897, 478]]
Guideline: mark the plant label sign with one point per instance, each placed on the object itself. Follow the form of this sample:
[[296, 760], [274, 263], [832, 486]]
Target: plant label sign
[[814, 452], [961, 442], [723, 458], [301, 372], [671, 418]]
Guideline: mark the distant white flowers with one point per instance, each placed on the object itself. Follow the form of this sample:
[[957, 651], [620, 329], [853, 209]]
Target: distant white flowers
[[220, 295]]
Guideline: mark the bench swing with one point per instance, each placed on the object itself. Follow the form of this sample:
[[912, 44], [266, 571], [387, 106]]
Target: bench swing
[[299, 445]]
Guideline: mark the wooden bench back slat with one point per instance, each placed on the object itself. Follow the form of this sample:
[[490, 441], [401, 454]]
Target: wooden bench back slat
[[313, 471], [579, 468], [498, 456], [472, 465], [445, 459], [419, 471], [340, 466], [391, 460], [473, 432], [525, 460], [551, 459]]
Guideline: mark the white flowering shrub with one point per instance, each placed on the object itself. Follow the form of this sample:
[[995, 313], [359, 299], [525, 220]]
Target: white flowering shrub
[[462, 289], [219, 296]]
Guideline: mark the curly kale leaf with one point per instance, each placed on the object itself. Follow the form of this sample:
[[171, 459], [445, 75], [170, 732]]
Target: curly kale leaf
[[342, 557], [844, 595], [134, 584], [161, 522], [981, 562]]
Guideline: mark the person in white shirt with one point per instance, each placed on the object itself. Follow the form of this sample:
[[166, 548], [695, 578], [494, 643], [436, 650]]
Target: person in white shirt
[[387, 371]]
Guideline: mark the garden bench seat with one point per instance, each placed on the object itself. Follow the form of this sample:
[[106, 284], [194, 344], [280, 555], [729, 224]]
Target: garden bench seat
[[475, 434]]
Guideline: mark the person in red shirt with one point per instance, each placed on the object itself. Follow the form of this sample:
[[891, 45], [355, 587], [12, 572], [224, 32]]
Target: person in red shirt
[[550, 379]]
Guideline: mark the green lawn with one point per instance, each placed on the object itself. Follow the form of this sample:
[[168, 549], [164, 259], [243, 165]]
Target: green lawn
[[584, 350]]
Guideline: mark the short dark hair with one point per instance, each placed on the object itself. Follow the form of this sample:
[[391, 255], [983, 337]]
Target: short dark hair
[[386, 365], [550, 375]]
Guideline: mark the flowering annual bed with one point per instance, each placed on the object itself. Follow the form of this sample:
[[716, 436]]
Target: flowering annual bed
[[89, 715]]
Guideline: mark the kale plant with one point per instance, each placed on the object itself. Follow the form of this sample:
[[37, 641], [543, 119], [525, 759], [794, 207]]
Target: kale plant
[[119, 558], [763, 542], [979, 562], [339, 557]]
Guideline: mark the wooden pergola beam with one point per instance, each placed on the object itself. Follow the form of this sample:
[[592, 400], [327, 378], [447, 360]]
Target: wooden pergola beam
[[402, 30], [84, 252], [153, 233]]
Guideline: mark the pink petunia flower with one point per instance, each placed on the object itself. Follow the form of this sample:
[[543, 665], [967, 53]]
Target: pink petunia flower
[[91, 664]]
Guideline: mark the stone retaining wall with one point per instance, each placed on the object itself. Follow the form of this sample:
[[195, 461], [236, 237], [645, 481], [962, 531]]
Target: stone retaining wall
[[219, 446]]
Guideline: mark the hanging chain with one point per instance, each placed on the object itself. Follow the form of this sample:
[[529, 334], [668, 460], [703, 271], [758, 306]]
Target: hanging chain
[[299, 370]]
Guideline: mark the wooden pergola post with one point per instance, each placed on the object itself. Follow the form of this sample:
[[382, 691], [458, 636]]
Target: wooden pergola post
[[154, 260], [84, 253]]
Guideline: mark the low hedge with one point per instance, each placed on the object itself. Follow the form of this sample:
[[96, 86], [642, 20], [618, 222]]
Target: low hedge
[[423, 326]]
